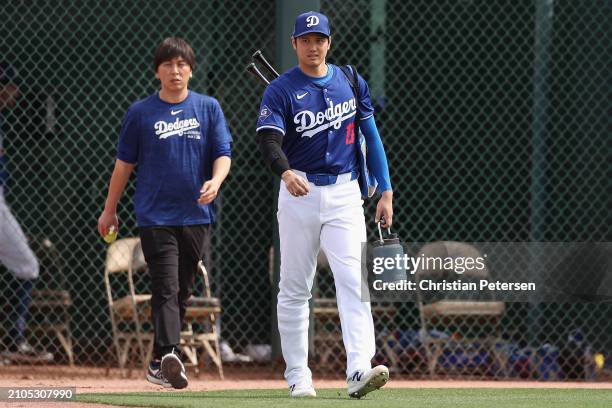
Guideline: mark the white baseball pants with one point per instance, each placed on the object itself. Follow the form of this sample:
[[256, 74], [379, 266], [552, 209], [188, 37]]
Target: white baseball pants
[[15, 253], [328, 217]]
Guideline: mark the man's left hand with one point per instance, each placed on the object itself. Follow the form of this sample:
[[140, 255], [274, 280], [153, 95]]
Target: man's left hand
[[209, 191], [384, 209]]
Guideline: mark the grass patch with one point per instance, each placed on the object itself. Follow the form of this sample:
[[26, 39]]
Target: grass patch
[[385, 398]]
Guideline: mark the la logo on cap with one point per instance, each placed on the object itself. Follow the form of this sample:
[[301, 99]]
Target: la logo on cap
[[312, 21]]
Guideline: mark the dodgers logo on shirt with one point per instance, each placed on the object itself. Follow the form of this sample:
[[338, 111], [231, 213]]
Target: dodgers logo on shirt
[[179, 127], [311, 123]]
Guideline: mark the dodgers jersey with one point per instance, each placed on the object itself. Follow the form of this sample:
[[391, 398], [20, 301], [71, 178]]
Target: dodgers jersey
[[317, 120], [174, 146]]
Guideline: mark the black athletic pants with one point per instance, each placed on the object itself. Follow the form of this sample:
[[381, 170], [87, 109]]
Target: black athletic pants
[[172, 255]]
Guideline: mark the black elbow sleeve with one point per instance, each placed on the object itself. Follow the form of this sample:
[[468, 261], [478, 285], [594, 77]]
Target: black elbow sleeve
[[270, 143]]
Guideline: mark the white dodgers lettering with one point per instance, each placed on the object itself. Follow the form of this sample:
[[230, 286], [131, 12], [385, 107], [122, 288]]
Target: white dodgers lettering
[[312, 123], [165, 129]]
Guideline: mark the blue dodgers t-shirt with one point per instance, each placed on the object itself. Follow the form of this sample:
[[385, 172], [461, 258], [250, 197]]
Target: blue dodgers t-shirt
[[174, 147]]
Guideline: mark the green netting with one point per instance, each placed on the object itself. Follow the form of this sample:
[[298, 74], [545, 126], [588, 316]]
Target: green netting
[[494, 115]]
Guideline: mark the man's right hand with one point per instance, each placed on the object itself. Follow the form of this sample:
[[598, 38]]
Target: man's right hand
[[107, 219], [296, 185]]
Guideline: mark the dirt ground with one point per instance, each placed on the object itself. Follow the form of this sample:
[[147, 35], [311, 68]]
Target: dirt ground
[[91, 380]]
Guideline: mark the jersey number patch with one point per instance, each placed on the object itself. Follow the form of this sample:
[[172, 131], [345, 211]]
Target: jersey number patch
[[350, 134]]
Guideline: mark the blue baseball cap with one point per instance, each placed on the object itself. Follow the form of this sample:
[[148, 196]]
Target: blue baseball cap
[[8, 74], [311, 22]]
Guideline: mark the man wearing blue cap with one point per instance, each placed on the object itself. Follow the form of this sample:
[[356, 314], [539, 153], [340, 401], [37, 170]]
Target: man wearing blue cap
[[15, 253], [306, 130]]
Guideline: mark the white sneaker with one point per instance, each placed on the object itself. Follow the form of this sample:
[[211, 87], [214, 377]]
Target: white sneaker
[[362, 382], [173, 370], [155, 376], [25, 353], [302, 391]]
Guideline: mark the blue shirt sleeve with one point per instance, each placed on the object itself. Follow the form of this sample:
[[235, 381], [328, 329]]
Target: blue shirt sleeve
[[127, 148], [366, 110], [272, 111], [221, 137], [376, 157]]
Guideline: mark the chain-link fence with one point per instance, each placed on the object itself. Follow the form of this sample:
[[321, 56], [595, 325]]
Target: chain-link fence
[[494, 116]]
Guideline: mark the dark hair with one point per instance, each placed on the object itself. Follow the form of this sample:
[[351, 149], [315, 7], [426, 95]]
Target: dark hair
[[173, 47]]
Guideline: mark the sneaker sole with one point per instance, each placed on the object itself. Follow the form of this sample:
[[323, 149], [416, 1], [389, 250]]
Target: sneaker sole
[[304, 394], [376, 382], [172, 369], [23, 358]]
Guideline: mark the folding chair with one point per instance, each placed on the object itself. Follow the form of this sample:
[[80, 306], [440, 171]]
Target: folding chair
[[51, 299], [133, 311], [202, 312], [456, 310], [326, 334], [130, 310]]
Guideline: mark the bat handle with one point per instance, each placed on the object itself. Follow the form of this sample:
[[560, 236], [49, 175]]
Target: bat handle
[[258, 56], [252, 69]]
